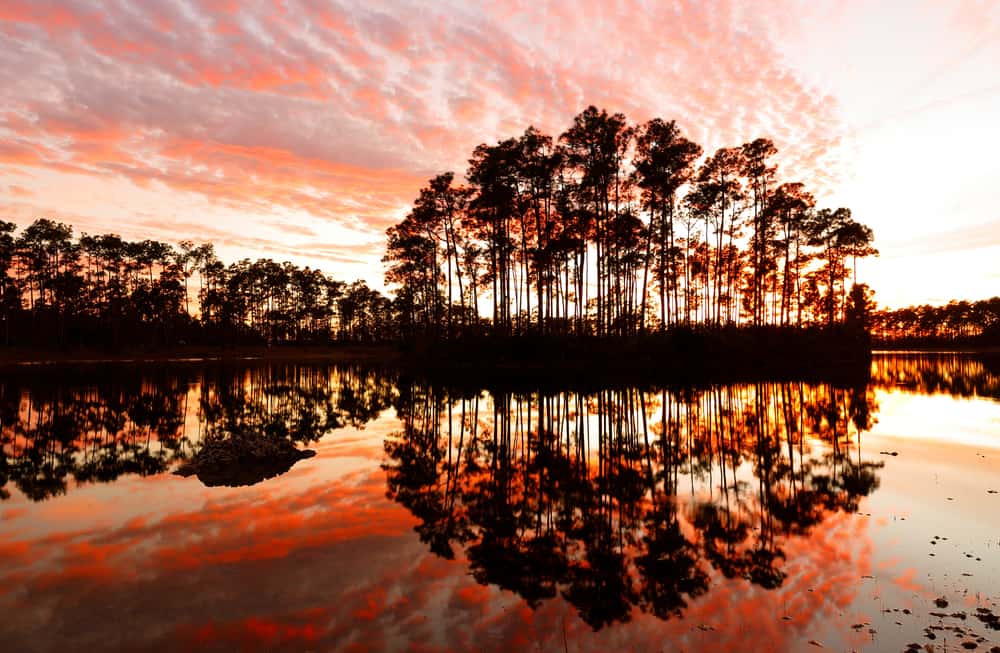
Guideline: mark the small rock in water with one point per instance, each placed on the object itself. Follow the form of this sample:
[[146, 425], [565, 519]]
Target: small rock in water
[[941, 602]]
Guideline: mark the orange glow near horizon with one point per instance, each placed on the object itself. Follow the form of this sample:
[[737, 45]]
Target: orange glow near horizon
[[301, 130]]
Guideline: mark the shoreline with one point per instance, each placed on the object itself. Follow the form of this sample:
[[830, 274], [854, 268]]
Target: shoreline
[[954, 351], [347, 353]]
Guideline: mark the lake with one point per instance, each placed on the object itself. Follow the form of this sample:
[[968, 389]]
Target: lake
[[780, 516]]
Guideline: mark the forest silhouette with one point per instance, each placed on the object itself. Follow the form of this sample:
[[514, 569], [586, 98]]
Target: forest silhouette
[[957, 323], [612, 229], [103, 291], [605, 242]]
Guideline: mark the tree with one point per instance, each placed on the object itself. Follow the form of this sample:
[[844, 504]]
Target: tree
[[663, 164], [789, 207], [760, 177], [596, 145]]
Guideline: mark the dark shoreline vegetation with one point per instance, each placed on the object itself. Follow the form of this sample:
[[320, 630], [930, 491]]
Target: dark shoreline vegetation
[[608, 250], [683, 356]]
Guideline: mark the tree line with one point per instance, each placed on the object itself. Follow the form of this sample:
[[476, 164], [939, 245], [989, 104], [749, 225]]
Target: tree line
[[58, 289], [615, 229], [956, 321]]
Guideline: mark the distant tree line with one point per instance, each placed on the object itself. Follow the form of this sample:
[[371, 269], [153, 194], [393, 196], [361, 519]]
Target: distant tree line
[[61, 290], [956, 321], [615, 229]]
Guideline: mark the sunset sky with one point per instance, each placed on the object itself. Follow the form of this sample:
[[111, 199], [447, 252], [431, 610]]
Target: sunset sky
[[301, 129]]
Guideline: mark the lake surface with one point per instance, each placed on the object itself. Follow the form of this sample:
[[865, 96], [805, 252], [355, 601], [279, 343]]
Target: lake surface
[[767, 516]]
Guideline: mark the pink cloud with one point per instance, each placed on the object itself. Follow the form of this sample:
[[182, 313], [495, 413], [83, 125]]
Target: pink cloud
[[294, 93]]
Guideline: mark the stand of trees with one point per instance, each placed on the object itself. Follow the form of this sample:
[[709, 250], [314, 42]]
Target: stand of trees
[[955, 322], [615, 229], [58, 290]]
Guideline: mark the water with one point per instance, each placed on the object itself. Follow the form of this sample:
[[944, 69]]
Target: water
[[770, 516]]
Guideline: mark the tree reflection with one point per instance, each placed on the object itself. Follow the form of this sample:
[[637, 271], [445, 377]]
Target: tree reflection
[[626, 499], [94, 426], [964, 375]]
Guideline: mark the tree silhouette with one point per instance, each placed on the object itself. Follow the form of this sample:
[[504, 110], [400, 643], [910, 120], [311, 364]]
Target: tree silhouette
[[103, 291], [955, 322], [607, 227]]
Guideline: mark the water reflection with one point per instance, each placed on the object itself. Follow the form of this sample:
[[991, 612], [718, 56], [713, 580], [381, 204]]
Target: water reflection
[[960, 375], [730, 517], [624, 499], [95, 425]]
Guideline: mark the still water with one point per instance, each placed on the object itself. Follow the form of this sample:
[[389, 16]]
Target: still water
[[767, 516]]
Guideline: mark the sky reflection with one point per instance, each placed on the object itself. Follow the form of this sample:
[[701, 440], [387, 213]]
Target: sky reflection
[[321, 558]]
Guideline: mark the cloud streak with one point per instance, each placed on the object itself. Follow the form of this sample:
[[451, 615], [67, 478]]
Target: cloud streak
[[338, 111]]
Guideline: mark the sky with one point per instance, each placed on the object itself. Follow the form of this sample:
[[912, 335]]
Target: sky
[[301, 129]]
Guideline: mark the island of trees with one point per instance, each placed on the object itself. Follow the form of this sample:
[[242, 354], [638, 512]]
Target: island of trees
[[621, 231], [613, 229]]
